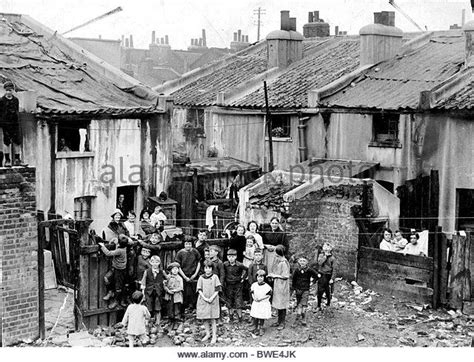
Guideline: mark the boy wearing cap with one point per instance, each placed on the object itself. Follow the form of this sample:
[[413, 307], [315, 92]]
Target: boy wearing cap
[[174, 293], [301, 283], [234, 275], [9, 107]]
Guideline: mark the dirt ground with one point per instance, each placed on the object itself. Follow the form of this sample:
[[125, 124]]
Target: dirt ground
[[356, 318]]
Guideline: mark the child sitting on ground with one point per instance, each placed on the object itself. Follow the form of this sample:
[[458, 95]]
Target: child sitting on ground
[[115, 278], [174, 294], [207, 307], [249, 250], [135, 318], [235, 274], [301, 283], [326, 262], [152, 287], [261, 307]]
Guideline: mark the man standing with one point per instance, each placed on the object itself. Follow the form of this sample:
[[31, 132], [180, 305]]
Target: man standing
[[9, 122]]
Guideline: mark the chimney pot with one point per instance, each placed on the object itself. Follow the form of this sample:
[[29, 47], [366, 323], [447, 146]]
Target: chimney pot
[[235, 36], [239, 37], [310, 17], [293, 24], [336, 30], [131, 41], [167, 40], [285, 20], [204, 39], [153, 37], [127, 44], [162, 40], [316, 16]]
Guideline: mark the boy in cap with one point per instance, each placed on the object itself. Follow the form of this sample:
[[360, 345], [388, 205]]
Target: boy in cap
[[174, 293], [9, 107], [301, 283], [234, 275], [326, 263]]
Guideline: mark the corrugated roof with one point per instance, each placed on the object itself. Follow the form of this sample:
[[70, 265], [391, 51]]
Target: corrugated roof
[[397, 83], [324, 60], [63, 85]]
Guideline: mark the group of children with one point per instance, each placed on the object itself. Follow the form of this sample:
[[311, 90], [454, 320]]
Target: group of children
[[198, 279]]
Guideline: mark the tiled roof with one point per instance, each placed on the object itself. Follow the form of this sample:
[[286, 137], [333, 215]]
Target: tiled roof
[[63, 85], [397, 83], [324, 60], [462, 99]]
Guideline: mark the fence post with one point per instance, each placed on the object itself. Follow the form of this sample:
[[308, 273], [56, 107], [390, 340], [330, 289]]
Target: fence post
[[81, 279], [460, 280], [443, 269], [41, 242], [434, 241]]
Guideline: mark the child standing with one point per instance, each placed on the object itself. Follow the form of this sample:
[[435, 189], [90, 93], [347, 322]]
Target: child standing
[[207, 307], [135, 318], [152, 286], [301, 283], [174, 293], [257, 265], [115, 278], [235, 274], [201, 243], [217, 264], [189, 259], [261, 307], [281, 286], [143, 263], [326, 263], [249, 250], [158, 218]]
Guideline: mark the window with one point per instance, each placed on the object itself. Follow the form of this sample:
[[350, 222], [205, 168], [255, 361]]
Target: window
[[73, 137], [385, 130], [195, 117], [281, 126], [83, 208]]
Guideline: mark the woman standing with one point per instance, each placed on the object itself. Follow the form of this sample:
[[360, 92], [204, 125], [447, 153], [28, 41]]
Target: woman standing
[[115, 227], [271, 238], [281, 286], [252, 229]]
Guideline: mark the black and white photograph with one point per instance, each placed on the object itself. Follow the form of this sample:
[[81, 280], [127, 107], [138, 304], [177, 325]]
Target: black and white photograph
[[246, 180]]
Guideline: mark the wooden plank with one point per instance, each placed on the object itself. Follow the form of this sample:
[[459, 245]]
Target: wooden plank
[[93, 281], [102, 269], [101, 311], [460, 277], [379, 268], [396, 258], [443, 271]]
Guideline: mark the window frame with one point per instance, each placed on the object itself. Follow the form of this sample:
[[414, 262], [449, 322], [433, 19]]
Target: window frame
[[74, 153], [286, 128], [393, 128]]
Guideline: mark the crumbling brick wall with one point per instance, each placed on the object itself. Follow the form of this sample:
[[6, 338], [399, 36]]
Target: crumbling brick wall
[[18, 255], [327, 215]]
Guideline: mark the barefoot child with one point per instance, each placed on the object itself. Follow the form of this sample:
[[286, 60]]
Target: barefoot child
[[135, 318], [207, 307], [261, 307], [152, 287]]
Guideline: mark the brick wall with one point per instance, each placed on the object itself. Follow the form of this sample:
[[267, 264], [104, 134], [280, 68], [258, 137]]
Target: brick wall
[[18, 255], [327, 216]]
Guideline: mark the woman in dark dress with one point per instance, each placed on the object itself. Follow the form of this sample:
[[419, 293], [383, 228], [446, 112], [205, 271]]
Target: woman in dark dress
[[272, 237]]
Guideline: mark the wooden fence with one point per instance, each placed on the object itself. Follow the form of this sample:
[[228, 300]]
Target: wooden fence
[[405, 276]]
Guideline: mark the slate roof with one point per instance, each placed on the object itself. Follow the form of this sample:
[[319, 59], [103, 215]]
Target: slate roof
[[460, 100], [324, 60], [63, 85], [396, 84]]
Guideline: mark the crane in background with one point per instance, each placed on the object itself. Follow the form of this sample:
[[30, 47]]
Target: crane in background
[[111, 12]]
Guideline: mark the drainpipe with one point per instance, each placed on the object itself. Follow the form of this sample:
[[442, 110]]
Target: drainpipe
[[303, 146]]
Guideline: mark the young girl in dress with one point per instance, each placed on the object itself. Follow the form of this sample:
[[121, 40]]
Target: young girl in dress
[[207, 307], [261, 307], [135, 318], [249, 251]]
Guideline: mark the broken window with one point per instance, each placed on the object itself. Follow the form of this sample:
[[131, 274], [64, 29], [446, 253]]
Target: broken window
[[281, 125], [73, 136], [83, 207], [385, 129]]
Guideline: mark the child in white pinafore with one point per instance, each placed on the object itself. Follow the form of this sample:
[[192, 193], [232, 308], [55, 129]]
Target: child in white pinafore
[[135, 318], [261, 307]]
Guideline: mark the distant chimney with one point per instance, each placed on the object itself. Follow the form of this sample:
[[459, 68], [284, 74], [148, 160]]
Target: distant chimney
[[167, 40], [127, 45], [316, 27], [293, 24], [153, 37], [380, 41], [123, 41], [284, 46], [336, 30], [131, 41], [468, 29], [204, 40], [235, 36], [240, 41], [239, 35]]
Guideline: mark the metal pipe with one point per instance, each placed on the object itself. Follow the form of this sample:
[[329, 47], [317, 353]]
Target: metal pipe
[[303, 146]]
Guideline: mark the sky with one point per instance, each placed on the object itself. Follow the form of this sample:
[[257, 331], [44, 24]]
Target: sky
[[182, 20]]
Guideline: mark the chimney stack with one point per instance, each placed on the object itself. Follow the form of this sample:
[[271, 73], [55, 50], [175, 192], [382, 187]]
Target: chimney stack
[[284, 46], [240, 41], [131, 41], [239, 35], [316, 28], [123, 40], [380, 41], [127, 45], [167, 40], [153, 37], [204, 41], [336, 30]]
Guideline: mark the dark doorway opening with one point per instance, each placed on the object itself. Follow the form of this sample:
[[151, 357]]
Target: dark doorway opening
[[130, 198], [465, 211]]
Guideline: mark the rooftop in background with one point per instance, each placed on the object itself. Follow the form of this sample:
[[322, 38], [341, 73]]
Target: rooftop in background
[[215, 165], [396, 84], [63, 83]]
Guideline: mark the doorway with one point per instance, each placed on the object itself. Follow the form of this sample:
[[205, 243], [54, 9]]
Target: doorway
[[129, 199]]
